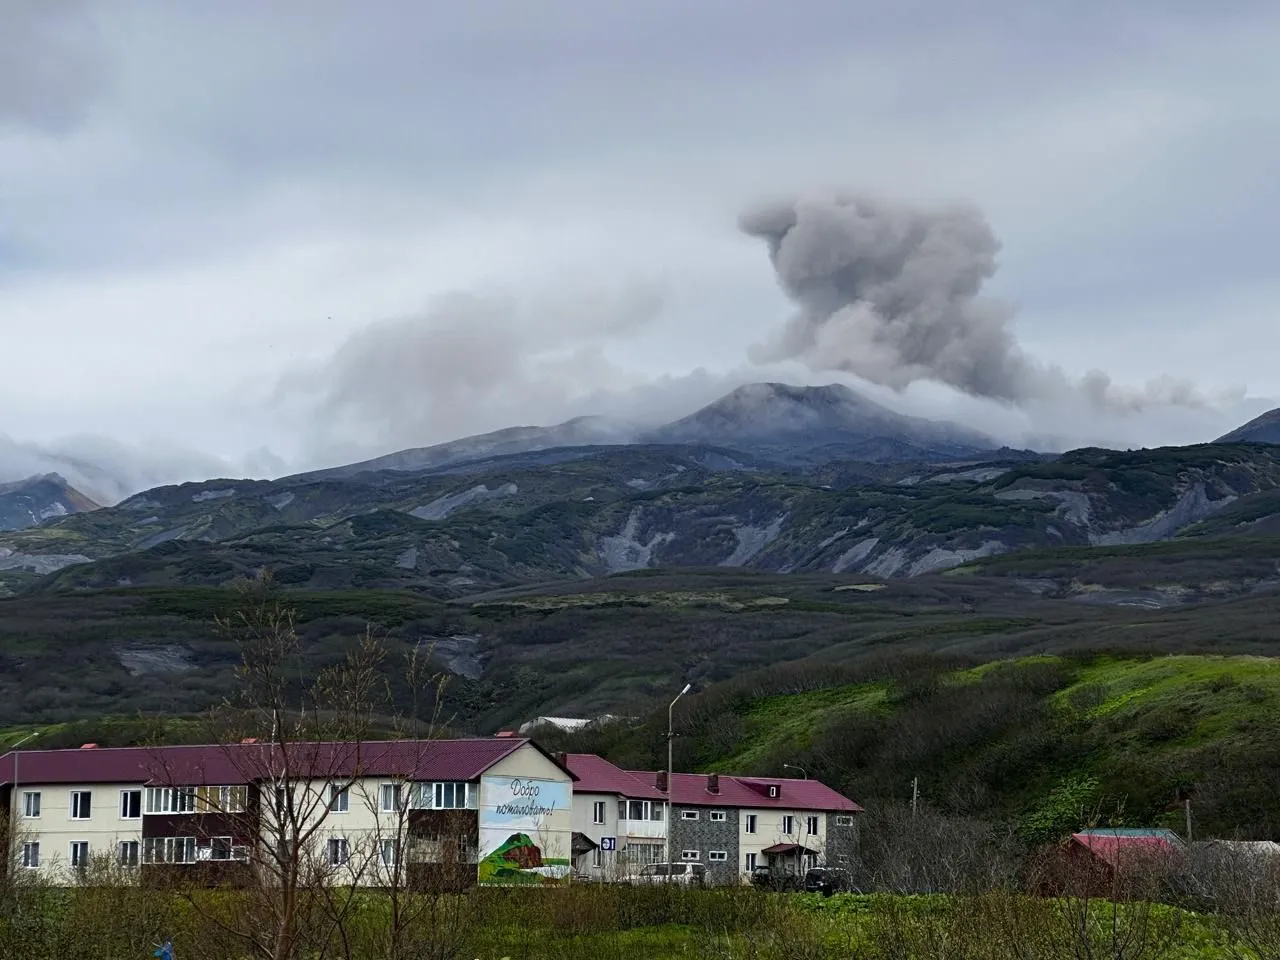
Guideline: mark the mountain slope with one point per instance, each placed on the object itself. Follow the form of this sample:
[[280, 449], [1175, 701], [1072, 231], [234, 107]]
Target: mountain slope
[[30, 502], [785, 423], [581, 431], [609, 510], [823, 423], [1263, 429]]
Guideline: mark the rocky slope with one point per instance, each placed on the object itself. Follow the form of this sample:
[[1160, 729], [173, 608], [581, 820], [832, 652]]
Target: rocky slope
[[30, 502], [599, 511], [1263, 429], [820, 424]]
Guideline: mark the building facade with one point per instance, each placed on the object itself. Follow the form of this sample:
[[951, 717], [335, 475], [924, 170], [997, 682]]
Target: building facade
[[405, 813], [729, 824]]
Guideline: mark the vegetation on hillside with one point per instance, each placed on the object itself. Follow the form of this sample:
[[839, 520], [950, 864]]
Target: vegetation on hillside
[[1047, 742]]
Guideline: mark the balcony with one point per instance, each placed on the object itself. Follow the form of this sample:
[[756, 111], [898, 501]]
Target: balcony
[[647, 829]]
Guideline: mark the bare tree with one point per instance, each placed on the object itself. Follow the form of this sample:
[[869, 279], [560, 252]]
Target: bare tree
[[289, 746]]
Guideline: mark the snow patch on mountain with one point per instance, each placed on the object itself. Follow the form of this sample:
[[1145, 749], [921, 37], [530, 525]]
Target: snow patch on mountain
[[441, 507], [625, 552]]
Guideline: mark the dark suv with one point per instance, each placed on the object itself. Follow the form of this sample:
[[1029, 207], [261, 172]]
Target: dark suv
[[765, 878], [827, 880]]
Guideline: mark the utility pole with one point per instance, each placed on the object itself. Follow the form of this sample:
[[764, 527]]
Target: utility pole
[[915, 795], [792, 766], [671, 735], [1187, 809]]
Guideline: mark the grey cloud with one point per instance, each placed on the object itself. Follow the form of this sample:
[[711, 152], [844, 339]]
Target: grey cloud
[[892, 292], [52, 63], [470, 362]]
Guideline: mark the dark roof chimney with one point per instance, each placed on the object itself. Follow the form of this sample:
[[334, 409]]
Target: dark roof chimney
[[660, 781], [713, 783]]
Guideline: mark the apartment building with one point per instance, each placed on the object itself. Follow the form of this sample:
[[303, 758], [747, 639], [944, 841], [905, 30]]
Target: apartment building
[[619, 821], [729, 824], [734, 824], [495, 810]]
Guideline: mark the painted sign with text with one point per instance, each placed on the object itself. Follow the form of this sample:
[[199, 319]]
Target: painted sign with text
[[524, 830]]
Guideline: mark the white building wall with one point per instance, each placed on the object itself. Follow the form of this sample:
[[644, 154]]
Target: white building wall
[[55, 830], [770, 830]]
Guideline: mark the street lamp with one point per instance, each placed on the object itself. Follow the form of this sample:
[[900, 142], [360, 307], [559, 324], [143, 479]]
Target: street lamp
[[792, 766], [13, 826], [671, 735]]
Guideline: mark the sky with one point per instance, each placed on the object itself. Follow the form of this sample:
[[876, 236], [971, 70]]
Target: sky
[[245, 238]]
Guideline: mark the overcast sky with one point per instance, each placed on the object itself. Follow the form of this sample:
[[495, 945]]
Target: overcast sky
[[284, 233]]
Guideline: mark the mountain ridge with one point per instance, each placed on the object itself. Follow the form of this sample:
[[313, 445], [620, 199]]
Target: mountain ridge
[[791, 424], [1261, 429], [38, 498]]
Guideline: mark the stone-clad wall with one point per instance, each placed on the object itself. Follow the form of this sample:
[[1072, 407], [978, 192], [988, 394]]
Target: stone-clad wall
[[842, 842], [705, 835]]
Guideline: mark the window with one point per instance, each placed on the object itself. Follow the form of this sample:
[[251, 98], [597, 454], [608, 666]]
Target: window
[[339, 798], [844, 821], [773, 792], [390, 797], [388, 850], [597, 857], [717, 816], [688, 854], [169, 850], [751, 862], [220, 848], [718, 856], [636, 811], [810, 861], [597, 812], [688, 814], [751, 823], [31, 855], [622, 809], [170, 800], [643, 853], [80, 854], [213, 799], [788, 825], [655, 812], [339, 853], [128, 853], [130, 804], [31, 805], [455, 796], [811, 826], [81, 804]]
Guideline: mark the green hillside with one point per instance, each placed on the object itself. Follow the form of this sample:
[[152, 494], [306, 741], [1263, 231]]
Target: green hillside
[[1049, 743]]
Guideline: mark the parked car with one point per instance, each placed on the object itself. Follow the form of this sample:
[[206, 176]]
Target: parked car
[[827, 880], [686, 874], [769, 878]]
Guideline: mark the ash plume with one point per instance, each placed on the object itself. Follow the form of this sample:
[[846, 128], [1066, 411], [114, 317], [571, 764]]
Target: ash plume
[[892, 293]]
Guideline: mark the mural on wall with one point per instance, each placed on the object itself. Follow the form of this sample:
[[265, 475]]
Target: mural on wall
[[524, 830]]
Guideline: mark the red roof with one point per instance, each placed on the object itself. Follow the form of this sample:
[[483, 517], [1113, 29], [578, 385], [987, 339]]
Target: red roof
[[690, 790], [242, 763], [597, 775], [1115, 850], [780, 848]]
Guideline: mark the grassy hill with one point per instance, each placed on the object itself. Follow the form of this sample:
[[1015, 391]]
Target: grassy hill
[[1049, 743]]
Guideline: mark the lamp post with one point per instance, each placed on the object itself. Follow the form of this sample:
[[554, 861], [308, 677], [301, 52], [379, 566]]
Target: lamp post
[[671, 735], [792, 766], [13, 825]]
